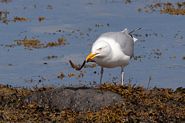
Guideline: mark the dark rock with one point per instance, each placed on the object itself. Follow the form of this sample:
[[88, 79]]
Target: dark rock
[[76, 99]]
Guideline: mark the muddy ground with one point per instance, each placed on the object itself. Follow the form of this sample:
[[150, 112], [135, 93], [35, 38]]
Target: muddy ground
[[105, 103]]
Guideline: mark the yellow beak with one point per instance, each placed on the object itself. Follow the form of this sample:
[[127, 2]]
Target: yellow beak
[[91, 56]]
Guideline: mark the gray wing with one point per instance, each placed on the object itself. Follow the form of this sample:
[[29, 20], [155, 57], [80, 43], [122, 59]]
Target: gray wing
[[124, 39]]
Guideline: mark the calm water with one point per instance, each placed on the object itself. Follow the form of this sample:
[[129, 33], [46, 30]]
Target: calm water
[[161, 42]]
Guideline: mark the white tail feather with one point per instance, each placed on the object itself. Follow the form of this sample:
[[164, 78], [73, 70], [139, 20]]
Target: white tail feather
[[135, 39]]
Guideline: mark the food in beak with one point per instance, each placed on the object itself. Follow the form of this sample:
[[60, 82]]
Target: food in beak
[[77, 67], [90, 57]]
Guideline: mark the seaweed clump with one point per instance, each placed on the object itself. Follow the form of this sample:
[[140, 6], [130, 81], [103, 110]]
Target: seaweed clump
[[139, 105], [150, 105], [20, 19], [35, 43], [29, 43], [177, 8]]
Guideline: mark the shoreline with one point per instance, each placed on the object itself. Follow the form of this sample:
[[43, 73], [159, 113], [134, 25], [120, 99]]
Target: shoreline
[[106, 103]]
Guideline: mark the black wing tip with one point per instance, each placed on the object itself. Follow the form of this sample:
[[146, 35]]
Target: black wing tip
[[134, 30], [130, 33]]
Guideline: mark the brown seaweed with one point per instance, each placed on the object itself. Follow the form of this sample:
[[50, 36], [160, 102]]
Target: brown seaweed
[[76, 67]]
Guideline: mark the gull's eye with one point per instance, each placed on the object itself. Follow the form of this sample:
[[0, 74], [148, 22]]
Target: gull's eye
[[100, 48]]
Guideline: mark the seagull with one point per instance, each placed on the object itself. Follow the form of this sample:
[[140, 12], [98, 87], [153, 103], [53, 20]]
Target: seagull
[[113, 49]]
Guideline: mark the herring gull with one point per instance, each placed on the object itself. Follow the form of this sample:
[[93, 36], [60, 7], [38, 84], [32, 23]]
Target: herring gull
[[113, 49]]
